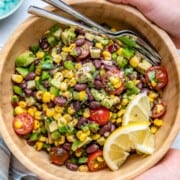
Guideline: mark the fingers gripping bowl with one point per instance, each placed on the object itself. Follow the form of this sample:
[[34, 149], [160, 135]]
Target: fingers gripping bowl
[[29, 34]]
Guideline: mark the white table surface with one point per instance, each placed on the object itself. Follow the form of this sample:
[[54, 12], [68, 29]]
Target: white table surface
[[8, 25]]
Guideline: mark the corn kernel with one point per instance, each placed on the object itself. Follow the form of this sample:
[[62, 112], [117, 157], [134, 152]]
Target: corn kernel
[[153, 83], [18, 124], [60, 141], [125, 102], [81, 136], [78, 66], [57, 58], [61, 121], [44, 107], [37, 115], [121, 112], [39, 95], [82, 95], [96, 165], [68, 74], [119, 51], [19, 110], [114, 79], [40, 54], [63, 86], [70, 138], [153, 95], [113, 120], [113, 29], [43, 139], [83, 168], [78, 152], [36, 125], [74, 122], [158, 122], [101, 141], [58, 109], [38, 71], [118, 85], [46, 97], [107, 55], [70, 110], [86, 113], [39, 145], [72, 46], [59, 76], [72, 82], [67, 117], [67, 94], [49, 112], [118, 120], [153, 129], [96, 136], [22, 104], [37, 78], [100, 159], [56, 115], [134, 61], [32, 110], [17, 78], [99, 45], [65, 49]]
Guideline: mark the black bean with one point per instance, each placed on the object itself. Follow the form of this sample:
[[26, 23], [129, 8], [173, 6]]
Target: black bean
[[43, 43], [60, 100], [67, 146], [79, 31], [113, 127], [46, 83], [85, 50], [80, 41], [31, 143], [98, 84], [72, 166], [36, 62], [82, 121], [140, 85], [98, 77], [94, 105], [132, 76], [23, 85], [76, 105], [145, 90], [28, 92], [112, 48], [109, 67], [51, 104], [97, 63], [90, 96], [30, 76], [105, 128], [80, 87], [92, 148]]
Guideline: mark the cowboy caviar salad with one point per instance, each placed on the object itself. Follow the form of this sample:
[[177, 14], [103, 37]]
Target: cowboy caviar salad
[[71, 93]]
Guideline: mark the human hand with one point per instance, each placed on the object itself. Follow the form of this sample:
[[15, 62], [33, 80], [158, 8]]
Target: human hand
[[166, 169], [165, 14]]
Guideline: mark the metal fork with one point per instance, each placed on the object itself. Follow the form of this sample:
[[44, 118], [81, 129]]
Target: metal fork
[[141, 46]]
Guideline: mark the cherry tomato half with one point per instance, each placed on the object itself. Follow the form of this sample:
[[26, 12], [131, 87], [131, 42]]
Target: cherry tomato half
[[23, 124], [100, 115], [158, 110], [58, 155], [156, 77], [92, 161], [115, 72]]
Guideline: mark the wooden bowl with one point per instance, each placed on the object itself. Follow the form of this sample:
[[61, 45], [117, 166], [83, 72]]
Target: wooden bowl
[[118, 16]]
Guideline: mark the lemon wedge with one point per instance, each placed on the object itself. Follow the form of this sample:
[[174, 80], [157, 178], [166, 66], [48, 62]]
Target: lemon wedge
[[119, 144], [139, 109]]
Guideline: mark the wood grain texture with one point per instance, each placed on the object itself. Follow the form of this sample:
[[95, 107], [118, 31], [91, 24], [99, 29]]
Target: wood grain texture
[[121, 17]]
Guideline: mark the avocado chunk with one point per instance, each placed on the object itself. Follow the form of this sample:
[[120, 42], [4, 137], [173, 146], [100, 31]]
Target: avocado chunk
[[68, 35], [25, 59], [23, 71]]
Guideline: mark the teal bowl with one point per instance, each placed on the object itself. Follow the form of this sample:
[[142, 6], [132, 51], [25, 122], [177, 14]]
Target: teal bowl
[[8, 7]]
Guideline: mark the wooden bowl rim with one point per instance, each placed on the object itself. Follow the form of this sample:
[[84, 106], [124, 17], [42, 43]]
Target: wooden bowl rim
[[156, 156]]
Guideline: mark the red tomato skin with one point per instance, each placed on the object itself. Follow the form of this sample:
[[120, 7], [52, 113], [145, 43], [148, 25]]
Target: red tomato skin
[[58, 155], [110, 72], [160, 114], [27, 124], [100, 115], [91, 160], [161, 77]]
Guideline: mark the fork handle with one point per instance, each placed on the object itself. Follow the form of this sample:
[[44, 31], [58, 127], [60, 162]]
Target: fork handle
[[68, 9], [57, 18]]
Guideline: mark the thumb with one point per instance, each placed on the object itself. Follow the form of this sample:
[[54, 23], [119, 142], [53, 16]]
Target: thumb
[[142, 5]]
